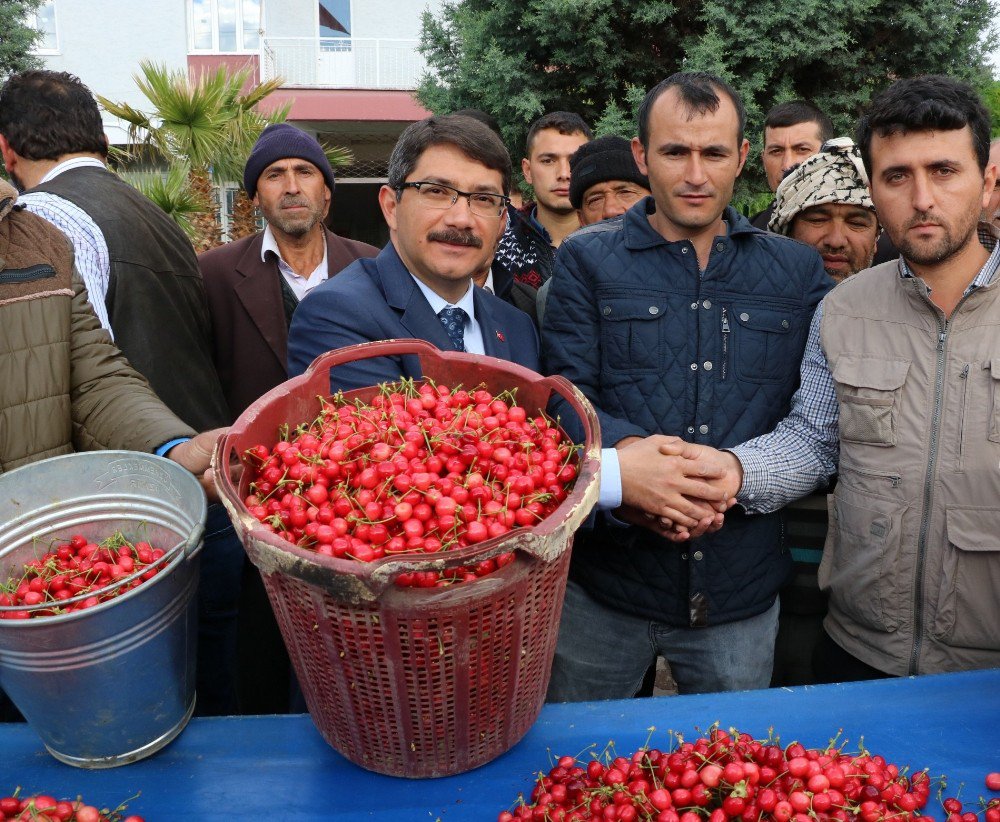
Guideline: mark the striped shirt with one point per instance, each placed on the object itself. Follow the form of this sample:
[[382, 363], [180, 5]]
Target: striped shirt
[[90, 249], [803, 450]]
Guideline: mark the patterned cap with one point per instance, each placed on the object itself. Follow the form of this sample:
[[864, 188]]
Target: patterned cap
[[834, 175]]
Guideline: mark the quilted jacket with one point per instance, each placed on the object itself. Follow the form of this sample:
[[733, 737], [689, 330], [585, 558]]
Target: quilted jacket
[[711, 356], [63, 384]]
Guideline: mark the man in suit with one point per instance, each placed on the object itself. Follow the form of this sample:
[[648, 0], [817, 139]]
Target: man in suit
[[445, 204], [254, 284]]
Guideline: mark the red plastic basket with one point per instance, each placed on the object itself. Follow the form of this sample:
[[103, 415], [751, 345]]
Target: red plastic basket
[[407, 681]]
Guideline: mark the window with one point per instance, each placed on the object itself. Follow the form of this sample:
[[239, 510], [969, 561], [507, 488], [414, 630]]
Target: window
[[44, 19], [225, 25], [334, 18]]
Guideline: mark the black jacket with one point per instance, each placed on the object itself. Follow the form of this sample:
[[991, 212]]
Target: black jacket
[[155, 299]]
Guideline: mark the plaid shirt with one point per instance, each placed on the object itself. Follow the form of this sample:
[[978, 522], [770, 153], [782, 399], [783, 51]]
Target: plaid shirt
[[90, 249], [803, 450]]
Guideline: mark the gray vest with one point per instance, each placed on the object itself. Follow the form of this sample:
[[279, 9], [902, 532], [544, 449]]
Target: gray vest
[[912, 559]]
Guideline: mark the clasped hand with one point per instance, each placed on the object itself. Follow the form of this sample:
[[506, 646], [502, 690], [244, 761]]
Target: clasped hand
[[677, 489]]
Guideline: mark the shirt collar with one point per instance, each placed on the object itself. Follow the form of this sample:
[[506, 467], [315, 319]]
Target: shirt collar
[[990, 238], [75, 162], [437, 302]]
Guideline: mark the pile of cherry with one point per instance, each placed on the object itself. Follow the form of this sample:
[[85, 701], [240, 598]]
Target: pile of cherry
[[731, 776], [78, 574], [43, 808], [421, 469]]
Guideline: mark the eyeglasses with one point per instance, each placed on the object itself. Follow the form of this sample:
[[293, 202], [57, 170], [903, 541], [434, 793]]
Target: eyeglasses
[[438, 195]]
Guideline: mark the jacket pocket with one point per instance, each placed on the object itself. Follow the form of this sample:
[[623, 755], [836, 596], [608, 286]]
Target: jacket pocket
[[630, 331], [869, 391], [860, 561], [42, 271], [969, 595], [762, 340], [994, 401]]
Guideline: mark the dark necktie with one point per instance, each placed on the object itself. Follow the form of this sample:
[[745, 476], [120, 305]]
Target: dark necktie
[[453, 320]]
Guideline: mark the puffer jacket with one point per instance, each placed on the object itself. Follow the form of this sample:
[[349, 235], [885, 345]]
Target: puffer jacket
[[64, 386], [712, 357]]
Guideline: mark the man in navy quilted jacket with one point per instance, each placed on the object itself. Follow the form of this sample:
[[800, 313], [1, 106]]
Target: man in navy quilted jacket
[[680, 318]]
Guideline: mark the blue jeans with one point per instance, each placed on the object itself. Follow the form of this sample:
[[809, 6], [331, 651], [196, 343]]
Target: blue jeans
[[603, 653], [222, 561]]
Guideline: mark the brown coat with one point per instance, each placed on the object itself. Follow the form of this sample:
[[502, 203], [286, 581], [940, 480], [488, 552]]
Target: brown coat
[[250, 335]]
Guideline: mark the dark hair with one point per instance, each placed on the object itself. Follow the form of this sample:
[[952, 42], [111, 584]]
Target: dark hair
[[565, 122], [933, 102], [46, 114], [793, 112], [486, 119], [699, 91], [468, 135]]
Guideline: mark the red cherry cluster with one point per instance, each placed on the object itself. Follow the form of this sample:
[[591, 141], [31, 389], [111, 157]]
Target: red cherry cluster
[[43, 808], [421, 469], [991, 808], [78, 574], [727, 776]]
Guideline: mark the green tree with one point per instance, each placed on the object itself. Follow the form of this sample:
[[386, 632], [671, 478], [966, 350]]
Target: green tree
[[17, 38], [520, 58]]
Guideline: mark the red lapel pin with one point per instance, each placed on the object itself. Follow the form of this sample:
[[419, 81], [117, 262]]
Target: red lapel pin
[[500, 336]]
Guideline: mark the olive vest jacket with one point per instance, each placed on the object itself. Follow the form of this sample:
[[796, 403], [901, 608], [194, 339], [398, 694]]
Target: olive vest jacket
[[912, 558], [63, 384]]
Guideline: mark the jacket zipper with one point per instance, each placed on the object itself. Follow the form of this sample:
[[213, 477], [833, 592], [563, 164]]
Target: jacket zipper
[[892, 479], [925, 517], [27, 275], [961, 417], [725, 342]]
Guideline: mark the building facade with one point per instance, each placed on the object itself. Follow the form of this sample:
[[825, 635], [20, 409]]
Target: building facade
[[349, 68]]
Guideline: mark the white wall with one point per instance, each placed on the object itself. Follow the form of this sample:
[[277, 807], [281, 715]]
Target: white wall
[[102, 42], [393, 19]]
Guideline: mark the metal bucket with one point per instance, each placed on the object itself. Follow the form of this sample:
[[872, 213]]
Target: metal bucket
[[114, 683]]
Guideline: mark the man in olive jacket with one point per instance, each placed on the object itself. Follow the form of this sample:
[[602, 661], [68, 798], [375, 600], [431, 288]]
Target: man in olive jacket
[[64, 386]]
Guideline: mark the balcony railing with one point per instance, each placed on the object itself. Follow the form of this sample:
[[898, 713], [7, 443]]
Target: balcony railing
[[335, 62]]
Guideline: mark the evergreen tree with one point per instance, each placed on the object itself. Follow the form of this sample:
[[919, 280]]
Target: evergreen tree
[[17, 38], [518, 59]]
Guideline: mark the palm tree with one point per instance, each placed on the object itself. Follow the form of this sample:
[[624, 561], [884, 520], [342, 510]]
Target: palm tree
[[208, 126]]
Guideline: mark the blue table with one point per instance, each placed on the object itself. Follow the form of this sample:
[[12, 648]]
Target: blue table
[[257, 768]]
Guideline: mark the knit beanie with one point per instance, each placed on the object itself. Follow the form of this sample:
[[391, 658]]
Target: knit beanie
[[600, 160], [280, 142]]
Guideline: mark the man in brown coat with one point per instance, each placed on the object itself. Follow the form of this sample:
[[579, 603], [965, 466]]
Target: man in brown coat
[[254, 284]]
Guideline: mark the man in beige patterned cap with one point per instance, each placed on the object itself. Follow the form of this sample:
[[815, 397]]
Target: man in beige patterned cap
[[824, 202]]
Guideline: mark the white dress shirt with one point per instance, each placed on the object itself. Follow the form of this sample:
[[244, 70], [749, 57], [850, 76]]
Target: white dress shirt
[[300, 285]]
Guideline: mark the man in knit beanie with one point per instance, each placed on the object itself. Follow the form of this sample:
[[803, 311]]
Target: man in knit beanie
[[253, 285], [824, 202], [605, 180]]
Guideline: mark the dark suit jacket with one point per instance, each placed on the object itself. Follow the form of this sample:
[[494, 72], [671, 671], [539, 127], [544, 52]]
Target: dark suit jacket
[[250, 335], [378, 300]]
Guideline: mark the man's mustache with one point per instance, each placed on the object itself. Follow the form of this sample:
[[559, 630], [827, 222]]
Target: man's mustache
[[456, 237]]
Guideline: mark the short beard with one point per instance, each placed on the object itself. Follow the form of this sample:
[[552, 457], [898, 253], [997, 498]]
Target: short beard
[[942, 250]]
